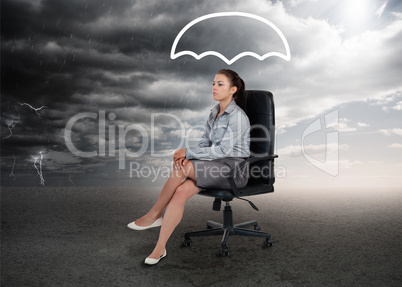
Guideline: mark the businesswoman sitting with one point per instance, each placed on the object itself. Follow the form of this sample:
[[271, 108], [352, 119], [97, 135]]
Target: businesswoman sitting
[[224, 144]]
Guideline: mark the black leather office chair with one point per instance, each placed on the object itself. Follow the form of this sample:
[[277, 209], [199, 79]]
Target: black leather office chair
[[261, 112]]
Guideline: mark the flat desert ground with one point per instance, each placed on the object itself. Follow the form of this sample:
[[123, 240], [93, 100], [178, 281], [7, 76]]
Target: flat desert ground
[[66, 236]]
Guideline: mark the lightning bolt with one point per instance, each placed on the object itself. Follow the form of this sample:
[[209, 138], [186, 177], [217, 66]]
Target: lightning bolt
[[39, 170], [34, 109], [69, 178], [12, 169], [15, 120], [11, 125]]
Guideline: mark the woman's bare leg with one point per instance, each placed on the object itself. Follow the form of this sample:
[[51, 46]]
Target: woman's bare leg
[[173, 215], [176, 178]]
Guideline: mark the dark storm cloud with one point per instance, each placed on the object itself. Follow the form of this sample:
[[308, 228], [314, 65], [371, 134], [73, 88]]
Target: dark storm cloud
[[75, 57], [62, 48]]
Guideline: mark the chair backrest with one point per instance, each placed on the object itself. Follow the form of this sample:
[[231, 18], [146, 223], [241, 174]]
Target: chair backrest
[[261, 112]]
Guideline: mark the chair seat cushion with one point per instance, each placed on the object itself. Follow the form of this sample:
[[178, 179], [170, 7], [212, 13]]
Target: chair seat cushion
[[245, 191], [213, 173]]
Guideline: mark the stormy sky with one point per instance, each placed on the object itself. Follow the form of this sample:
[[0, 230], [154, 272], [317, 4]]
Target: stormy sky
[[94, 67]]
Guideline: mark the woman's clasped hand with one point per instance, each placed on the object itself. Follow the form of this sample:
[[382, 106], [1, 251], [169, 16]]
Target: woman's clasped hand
[[179, 158]]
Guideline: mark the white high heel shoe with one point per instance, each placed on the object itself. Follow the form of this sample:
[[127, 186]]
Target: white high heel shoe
[[134, 226], [151, 261]]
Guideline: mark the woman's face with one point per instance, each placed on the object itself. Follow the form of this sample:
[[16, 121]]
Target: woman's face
[[221, 89]]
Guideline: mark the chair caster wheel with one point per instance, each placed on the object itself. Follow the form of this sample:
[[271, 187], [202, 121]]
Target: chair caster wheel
[[224, 250], [269, 242], [187, 241], [257, 228]]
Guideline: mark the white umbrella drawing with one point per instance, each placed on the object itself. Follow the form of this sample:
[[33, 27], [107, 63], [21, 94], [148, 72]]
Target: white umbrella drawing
[[175, 55]]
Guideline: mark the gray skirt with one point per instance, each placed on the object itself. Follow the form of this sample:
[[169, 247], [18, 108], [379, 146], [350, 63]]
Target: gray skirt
[[214, 173]]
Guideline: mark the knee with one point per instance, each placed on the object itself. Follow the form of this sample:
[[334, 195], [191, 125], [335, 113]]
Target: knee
[[177, 173], [180, 194]]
